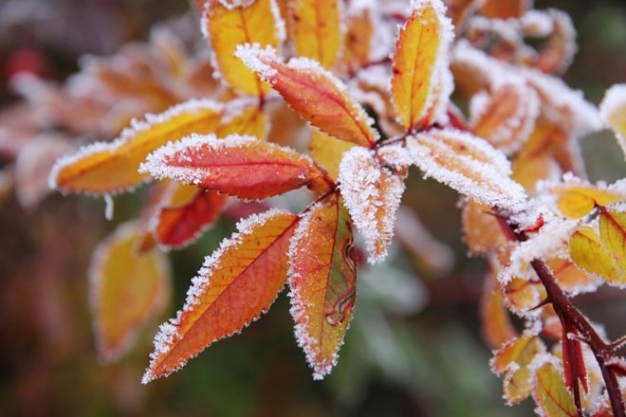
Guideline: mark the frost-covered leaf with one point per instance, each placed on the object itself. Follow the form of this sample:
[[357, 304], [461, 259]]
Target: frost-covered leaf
[[505, 116], [613, 112], [588, 252], [314, 93], [522, 295], [505, 9], [513, 360], [576, 198], [104, 168], [242, 166], [372, 194], [322, 278], [419, 91], [234, 287], [481, 230], [126, 291], [496, 324], [550, 393], [613, 235], [228, 23], [315, 29], [560, 47], [328, 151], [467, 164], [571, 278], [358, 38], [185, 212]]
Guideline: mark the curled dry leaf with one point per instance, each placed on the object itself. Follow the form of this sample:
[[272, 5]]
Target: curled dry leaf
[[314, 93], [372, 194], [119, 276], [234, 287], [224, 165], [419, 89], [315, 29], [322, 278], [105, 168], [227, 24]]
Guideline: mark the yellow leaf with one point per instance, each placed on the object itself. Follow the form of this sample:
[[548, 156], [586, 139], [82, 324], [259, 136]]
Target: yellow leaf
[[576, 201], [613, 235], [126, 289], [104, 168], [588, 252], [243, 119], [550, 393], [315, 29], [328, 151], [230, 23], [421, 53]]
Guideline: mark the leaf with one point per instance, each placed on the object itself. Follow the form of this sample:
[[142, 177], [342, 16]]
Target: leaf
[[505, 9], [570, 278], [234, 287], [322, 278], [118, 276], [522, 295], [241, 166], [421, 54], [550, 394], [315, 29], [505, 116], [496, 324], [613, 112], [613, 236], [481, 230], [372, 194], [577, 201], [228, 23], [559, 48], [588, 252], [358, 38], [467, 164], [314, 93], [328, 151], [513, 359], [243, 117], [186, 212], [104, 168]]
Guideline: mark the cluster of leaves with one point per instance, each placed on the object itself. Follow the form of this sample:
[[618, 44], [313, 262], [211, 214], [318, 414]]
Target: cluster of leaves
[[370, 105]]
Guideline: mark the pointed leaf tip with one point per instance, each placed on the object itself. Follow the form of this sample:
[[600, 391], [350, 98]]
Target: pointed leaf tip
[[235, 286]]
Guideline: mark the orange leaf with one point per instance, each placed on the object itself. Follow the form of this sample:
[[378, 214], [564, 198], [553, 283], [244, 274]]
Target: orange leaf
[[506, 116], [497, 327], [372, 194], [229, 23], [588, 252], [322, 281], [505, 9], [550, 394], [242, 166], [118, 276], [613, 112], [315, 29], [523, 295], [328, 151], [559, 48], [421, 55], [358, 39], [235, 286], [104, 168], [571, 278], [467, 164], [314, 93], [514, 359], [481, 230], [186, 212]]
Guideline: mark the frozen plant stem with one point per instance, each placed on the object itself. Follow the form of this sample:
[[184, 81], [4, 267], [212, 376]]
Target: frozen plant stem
[[571, 317]]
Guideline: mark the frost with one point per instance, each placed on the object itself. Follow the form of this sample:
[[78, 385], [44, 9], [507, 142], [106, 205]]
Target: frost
[[467, 164], [257, 58], [372, 196], [108, 210], [537, 23], [613, 112], [507, 30]]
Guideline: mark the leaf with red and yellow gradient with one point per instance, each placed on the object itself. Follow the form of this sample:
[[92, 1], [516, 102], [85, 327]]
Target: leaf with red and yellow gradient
[[613, 112], [496, 324], [550, 393], [358, 39], [421, 54], [372, 194], [235, 286], [576, 201], [588, 252], [314, 93], [185, 213], [613, 236], [241, 166], [322, 278], [506, 115], [315, 29], [118, 276], [104, 168], [513, 360], [499, 9], [467, 164], [228, 23], [328, 151]]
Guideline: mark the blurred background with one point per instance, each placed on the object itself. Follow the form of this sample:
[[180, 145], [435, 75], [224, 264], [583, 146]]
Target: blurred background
[[414, 348]]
